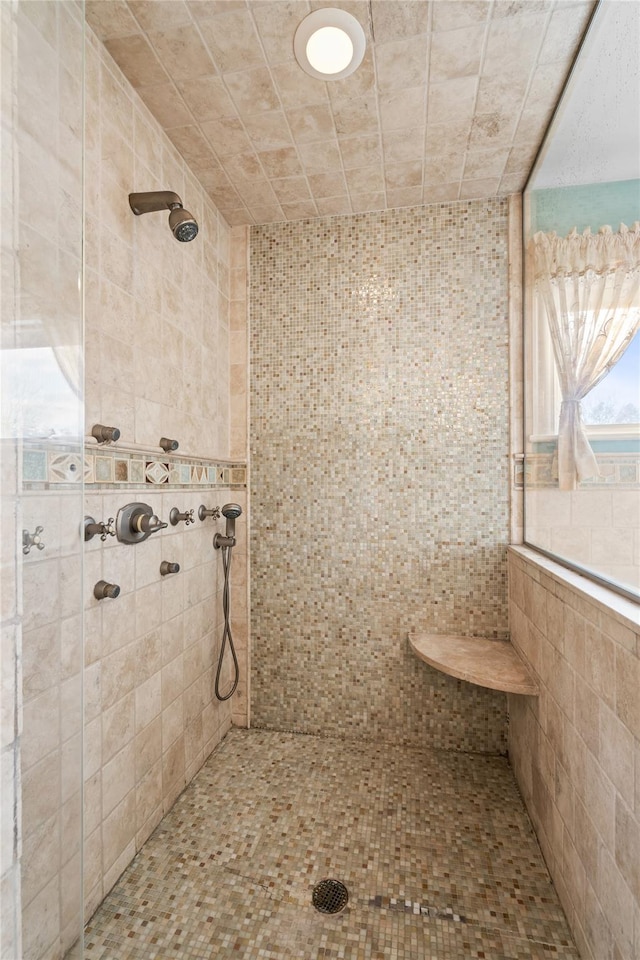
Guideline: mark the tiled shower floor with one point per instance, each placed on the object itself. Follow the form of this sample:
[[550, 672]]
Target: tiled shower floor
[[435, 848]]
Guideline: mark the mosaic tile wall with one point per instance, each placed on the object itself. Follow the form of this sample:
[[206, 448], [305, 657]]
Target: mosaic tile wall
[[238, 344], [379, 465]]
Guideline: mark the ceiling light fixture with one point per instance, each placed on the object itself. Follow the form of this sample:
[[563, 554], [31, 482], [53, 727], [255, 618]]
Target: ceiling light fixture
[[329, 44]]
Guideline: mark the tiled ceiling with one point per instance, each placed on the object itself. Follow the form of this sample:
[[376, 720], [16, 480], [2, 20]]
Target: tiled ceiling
[[450, 102]]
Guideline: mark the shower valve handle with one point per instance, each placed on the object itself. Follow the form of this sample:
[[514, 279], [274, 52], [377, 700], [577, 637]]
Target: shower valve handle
[[32, 540], [147, 523], [204, 512], [136, 522], [103, 530], [175, 517]]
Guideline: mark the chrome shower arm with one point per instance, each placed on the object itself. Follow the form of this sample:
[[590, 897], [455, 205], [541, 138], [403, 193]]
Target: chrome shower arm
[[152, 201]]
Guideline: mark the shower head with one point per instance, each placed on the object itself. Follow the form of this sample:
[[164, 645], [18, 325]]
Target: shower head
[[182, 223], [231, 511]]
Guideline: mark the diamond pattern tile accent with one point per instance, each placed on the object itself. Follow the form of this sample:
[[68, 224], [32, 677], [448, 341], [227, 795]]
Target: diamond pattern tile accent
[[157, 472], [66, 467]]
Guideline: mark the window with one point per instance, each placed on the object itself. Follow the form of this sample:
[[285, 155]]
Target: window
[[42, 403], [615, 401], [610, 410]]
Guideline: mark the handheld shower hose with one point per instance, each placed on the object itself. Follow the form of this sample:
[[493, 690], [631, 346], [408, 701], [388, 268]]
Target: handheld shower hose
[[225, 543]]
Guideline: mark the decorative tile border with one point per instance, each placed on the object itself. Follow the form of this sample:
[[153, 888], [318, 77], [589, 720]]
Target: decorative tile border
[[540, 470], [113, 467]]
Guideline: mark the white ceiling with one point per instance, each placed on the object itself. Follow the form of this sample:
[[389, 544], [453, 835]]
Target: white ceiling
[[451, 101], [596, 134]]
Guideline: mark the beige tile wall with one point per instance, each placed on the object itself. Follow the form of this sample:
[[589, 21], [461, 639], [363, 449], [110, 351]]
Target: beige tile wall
[[157, 363], [151, 718], [158, 349], [575, 750], [598, 528], [157, 311], [51, 742]]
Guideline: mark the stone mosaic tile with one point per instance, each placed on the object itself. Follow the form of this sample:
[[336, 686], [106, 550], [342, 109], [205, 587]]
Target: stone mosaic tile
[[380, 469], [435, 848], [103, 469], [136, 471], [34, 465], [121, 471]]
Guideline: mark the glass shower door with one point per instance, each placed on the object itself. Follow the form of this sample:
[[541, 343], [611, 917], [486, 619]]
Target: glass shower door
[[42, 479]]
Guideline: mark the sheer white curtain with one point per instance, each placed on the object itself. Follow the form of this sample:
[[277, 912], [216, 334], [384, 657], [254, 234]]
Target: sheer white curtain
[[589, 285]]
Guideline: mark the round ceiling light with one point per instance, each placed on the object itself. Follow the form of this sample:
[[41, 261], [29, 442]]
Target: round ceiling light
[[329, 44]]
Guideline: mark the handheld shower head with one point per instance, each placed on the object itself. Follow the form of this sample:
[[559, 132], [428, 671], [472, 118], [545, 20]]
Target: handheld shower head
[[231, 511], [182, 223]]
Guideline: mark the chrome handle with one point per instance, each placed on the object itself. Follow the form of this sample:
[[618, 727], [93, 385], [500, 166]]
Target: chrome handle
[[175, 517], [204, 512], [147, 523], [32, 540], [102, 530]]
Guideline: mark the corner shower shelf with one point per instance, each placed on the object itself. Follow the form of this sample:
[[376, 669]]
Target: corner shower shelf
[[487, 663]]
